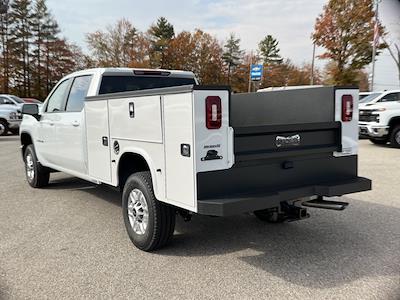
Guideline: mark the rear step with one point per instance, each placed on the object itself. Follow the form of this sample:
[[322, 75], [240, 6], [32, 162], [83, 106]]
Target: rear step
[[326, 204]]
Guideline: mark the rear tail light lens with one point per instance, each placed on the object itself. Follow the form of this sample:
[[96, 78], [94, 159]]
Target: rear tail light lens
[[213, 112], [347, 108]]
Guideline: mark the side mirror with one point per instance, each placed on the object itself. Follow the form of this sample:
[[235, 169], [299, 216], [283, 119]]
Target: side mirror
[[32, 110]]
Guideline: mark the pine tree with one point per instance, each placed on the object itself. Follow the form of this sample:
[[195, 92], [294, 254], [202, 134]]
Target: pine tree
[[232, 54], [161, 35], [40, 16], [20, 39], [269, 50], [4, 33]]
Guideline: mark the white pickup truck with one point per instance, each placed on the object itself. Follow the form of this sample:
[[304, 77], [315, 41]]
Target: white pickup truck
[[175, 147], [380, 119]]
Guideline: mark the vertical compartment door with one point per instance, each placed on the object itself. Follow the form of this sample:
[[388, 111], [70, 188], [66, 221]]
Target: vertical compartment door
[[179, 166], [98, 140]]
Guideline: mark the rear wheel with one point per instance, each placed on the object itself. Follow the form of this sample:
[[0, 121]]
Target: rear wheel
[[395, 137], [3, 128], [37, 175], [150, 223], [378, 141]]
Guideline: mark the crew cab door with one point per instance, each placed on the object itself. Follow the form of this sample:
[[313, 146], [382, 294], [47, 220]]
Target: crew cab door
[[70, 128], [46, 143]]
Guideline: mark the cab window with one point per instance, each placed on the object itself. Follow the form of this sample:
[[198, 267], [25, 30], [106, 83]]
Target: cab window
[[4, 100], [78, 93], [390, 97], [56, 102]]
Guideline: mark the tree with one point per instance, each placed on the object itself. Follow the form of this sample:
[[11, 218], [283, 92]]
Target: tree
[[21, 33], [161, 35], [232, 55], [269, 50], [346, 29], [394, 50], [115, 46], [198, 52], [5, 49], [40, 30]]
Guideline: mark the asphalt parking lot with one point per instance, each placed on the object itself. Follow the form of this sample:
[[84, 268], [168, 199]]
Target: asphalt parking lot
[[69, 241]]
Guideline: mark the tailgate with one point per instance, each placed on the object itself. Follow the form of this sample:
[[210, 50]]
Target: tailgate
[[284, 123]]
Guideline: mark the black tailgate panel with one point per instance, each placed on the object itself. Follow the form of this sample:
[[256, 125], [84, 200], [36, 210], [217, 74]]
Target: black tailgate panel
[[299, 106]]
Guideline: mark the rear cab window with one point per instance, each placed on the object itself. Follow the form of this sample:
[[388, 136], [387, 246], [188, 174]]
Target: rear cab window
[[78, 93], [124, 83]]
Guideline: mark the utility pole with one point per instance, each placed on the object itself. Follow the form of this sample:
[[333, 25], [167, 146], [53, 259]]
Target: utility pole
[[251, 61], [375, 41], [312, 65]]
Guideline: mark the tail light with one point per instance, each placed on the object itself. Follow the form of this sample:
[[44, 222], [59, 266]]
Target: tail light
[[213, 112], [347, 108]]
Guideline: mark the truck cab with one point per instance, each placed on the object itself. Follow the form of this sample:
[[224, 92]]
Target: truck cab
[[175, 147]]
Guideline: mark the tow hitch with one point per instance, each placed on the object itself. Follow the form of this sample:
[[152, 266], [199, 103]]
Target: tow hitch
[[326, 204], [293, 213]]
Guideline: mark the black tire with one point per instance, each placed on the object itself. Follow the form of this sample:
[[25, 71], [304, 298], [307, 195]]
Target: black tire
[[378, 141], [161, 217], [41, 175], [3, 128], [395, 137], [14, 131], [269, 216]]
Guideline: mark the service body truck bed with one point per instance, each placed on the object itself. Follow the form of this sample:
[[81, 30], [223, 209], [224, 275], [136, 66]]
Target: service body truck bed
[[196, 149]]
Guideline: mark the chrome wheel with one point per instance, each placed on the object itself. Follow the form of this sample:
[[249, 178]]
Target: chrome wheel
[[30, 170], [138, 213], [2, 129]]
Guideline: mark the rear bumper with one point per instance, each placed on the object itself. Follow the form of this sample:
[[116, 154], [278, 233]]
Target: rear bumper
[[252, 202]]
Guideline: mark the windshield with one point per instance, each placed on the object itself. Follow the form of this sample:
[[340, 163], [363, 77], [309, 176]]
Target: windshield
[[115, 84], [17, 99], [370, 97]]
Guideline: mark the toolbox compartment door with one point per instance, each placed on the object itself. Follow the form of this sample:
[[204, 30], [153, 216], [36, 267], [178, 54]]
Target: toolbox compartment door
[[98, 140]]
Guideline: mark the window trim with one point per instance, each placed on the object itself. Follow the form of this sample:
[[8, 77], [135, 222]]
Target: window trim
[[64, 100], [69, 92]]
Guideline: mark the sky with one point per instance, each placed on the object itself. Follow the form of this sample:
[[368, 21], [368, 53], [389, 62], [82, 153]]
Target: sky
[[290, 21]]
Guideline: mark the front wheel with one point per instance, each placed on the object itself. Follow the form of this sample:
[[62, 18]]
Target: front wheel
[[395, 137], [37, 175], [150, 223], [3, 128]]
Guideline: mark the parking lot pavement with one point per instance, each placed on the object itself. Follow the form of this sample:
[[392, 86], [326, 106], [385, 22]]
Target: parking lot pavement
[[69, 241]]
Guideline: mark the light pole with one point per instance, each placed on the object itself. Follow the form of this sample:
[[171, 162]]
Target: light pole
[[312, 65], [375, 41]]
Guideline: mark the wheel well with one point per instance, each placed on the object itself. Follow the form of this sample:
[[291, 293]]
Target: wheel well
[[393, 122], [128, 164], [26, 140], [2, 119]]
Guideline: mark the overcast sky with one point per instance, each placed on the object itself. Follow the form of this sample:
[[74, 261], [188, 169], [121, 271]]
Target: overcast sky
[[291, 22]]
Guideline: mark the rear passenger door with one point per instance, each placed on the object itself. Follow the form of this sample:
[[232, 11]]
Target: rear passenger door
[[70, 129]]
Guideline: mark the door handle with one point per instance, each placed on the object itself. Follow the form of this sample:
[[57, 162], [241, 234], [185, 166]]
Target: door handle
[[75, 123]]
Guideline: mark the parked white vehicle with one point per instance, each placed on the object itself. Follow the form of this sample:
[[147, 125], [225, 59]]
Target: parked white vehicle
[[380, 119], [10, 119], [172, 146]]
